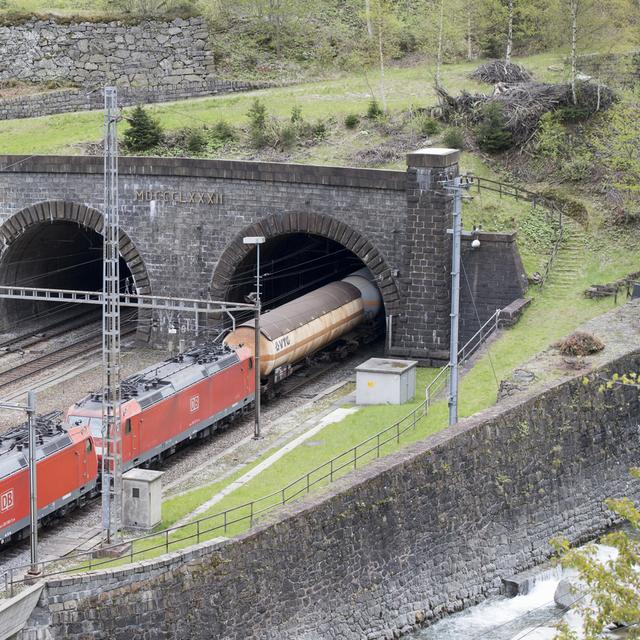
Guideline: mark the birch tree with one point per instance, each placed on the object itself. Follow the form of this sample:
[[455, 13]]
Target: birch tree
[[507, 57], [440, 42]]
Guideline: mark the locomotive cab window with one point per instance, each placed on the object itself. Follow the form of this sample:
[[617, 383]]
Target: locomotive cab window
[[88, 446], [127, 426], [250, 364]]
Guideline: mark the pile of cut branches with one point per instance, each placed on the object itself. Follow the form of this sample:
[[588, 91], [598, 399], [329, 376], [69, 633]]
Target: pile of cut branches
[[523, 104], [501, 71]]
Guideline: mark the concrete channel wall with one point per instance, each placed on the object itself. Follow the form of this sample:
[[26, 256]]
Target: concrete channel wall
[[428, 530]]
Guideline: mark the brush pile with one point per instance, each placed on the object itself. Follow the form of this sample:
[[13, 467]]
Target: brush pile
[[523, 104], [500, 71]]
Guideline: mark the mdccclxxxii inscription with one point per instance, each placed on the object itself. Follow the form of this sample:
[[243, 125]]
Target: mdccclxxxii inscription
[[179, 197]]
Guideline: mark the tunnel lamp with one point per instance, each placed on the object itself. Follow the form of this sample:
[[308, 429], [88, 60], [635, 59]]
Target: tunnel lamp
[[475, 243], [257, 241]]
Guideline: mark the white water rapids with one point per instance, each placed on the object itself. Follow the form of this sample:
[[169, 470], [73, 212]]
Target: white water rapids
[[531, 616]]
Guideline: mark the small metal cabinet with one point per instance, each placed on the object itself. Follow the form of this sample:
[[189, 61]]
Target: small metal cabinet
[[142, 498], [385, 381]]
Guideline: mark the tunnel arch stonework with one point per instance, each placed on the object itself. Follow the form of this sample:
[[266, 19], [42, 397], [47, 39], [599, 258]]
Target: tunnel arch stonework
[[321, 225], [182, 221], [51, 212]]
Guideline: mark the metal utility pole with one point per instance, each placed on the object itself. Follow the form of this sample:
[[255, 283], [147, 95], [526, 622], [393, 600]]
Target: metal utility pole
[[111, 423], [257, 240], [33, 480], [455, 301], [456, 185], [30, 409]]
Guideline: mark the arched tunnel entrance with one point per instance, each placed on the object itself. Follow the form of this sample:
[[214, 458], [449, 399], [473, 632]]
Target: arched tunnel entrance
[[58, 244], [291, 265], [55, 255], [299, 263]]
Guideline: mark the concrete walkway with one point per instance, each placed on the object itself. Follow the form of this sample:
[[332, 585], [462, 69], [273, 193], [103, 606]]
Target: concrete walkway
[[335, 416]]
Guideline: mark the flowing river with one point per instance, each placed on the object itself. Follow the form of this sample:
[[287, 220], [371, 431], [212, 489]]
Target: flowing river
[[529, 616]]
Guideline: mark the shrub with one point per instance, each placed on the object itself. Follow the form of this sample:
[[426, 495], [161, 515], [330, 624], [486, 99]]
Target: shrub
[[223, 131], [143, 133], [319, 130], [453, 138], [195, 140], [351, 121], [257, 115], [287, 136], [579, 343], [492, 133], [427, 125], [550, 137], [374, 110], [296, 114]]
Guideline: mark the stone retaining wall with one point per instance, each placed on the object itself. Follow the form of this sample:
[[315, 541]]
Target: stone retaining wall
[[88, 53], [67, 100], [426, 531]]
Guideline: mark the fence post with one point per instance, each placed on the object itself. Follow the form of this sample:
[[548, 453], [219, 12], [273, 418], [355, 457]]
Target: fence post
[[283, 500], [11, 583], [414, 419], [166, 541], [6, 582], [198, 531], [225, 521], [397, 433], [331, 470], [251, 515], [307, 483]]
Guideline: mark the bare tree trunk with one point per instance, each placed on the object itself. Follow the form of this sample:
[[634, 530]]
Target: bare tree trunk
[[381, 57], [507, 57], [440, 36], [367, 14], [469, 50], [574, 37]]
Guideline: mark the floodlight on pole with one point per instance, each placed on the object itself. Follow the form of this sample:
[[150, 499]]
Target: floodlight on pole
[[257, 241]]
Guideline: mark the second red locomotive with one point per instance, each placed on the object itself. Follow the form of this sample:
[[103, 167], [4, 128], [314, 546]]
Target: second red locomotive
[[181, 398]]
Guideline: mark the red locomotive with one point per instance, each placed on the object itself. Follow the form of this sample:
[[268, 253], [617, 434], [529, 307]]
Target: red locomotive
[[182, 398], [66, 468]]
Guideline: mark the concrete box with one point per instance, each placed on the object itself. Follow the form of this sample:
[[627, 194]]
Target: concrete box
[[385, 381], [142, 498]]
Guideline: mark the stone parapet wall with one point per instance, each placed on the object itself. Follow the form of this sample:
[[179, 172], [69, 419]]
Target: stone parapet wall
[[89, 54], [69, 100], [428, 530]]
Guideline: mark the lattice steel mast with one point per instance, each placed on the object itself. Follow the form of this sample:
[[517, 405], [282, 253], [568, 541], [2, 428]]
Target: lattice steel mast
[[111, 423]]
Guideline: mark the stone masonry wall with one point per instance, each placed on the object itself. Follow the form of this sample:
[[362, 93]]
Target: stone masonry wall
[[69, 100], [184, 221], [90, 54], [492, 277], [428, 530]]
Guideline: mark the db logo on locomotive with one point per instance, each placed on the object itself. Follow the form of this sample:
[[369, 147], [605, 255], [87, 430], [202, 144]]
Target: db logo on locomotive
[[6, 500], [194, 403]]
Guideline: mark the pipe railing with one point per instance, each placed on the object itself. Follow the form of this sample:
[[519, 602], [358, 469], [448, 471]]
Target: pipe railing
[[224, 522]]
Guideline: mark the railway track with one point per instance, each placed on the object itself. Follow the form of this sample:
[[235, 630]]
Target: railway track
[[53, 330], [84, 345]]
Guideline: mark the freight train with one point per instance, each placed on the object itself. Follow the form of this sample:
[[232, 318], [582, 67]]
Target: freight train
[[183, 398]]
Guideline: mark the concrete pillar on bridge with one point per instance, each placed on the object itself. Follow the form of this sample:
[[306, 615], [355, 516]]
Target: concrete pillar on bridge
[[423, 330]]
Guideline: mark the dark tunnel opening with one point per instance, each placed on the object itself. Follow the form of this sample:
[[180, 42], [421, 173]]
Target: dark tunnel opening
[[56, 255], [290, 266]]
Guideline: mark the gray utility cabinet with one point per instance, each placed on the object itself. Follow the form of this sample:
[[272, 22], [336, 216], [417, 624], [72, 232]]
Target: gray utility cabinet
[[385, 381], [142, 498]]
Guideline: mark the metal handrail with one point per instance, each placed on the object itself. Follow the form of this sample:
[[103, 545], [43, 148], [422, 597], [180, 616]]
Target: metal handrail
[[329, 470]]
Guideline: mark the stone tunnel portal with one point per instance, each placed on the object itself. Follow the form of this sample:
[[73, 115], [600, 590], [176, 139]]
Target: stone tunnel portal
[[291, 265]]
